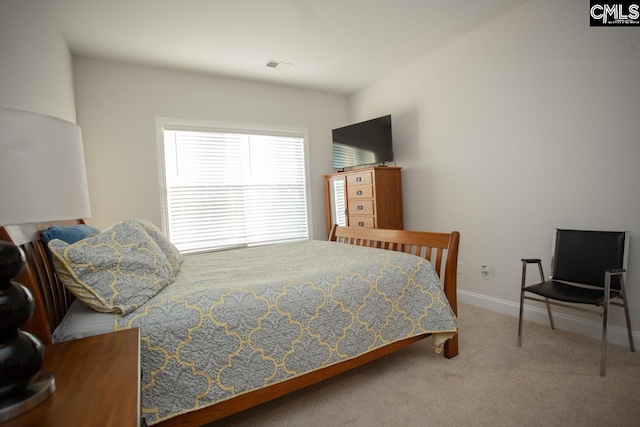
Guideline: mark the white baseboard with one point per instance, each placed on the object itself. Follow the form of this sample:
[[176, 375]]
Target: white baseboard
[[615, 334]]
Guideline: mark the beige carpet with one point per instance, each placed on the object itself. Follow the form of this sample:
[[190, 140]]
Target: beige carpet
[[553, 380]]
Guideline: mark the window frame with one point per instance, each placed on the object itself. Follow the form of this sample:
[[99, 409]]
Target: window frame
[[176, 124]]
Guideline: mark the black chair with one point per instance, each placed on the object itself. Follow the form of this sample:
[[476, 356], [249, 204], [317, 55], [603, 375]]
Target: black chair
[[587, 267]]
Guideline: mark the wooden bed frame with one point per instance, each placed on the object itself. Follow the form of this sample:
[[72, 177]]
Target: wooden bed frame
[[52, 301]]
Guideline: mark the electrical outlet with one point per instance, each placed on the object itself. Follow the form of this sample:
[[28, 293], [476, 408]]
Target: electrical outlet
[[460, 268], [485, 271]]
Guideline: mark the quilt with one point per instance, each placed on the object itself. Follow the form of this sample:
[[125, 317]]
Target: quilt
[[239, 320]]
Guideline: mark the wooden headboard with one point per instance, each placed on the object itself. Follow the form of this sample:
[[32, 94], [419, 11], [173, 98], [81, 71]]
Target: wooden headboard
[[52, 299]]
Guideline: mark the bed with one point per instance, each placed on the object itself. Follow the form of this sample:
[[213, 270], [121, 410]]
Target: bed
[[312, 352]]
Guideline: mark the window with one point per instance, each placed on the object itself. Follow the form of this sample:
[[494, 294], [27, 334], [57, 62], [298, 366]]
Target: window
[[225, 189]]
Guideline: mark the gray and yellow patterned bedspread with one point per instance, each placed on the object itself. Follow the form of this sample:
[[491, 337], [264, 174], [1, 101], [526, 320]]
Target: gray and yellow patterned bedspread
[[239, 320]]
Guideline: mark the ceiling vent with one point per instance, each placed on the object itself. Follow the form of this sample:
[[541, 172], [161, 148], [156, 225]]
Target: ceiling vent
[[278, 64]]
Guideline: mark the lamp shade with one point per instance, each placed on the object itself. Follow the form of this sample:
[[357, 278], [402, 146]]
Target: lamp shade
[[42, 169]]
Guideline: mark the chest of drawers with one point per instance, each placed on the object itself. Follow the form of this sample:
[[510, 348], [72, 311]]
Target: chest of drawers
[[369, 197]]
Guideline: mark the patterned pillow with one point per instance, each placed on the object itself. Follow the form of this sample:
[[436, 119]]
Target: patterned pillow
[[115, 271], [172, 253]]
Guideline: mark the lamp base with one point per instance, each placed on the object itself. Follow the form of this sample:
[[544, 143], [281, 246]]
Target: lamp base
[[35, 393]]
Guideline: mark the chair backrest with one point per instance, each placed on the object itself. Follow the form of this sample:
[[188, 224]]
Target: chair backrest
[[582, 256]]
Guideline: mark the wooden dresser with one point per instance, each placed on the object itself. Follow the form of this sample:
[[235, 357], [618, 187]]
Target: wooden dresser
[[369, 197]]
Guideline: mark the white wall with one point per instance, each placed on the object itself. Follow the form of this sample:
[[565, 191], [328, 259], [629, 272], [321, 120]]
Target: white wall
[[528, 123], [117, 108], [35, 63]]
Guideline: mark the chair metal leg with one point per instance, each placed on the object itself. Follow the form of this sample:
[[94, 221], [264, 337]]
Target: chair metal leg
[[520, 321], [626, 314], [605, 318], [546, 300], [629, 332], [603, 353], [522, 290], [522, 284]]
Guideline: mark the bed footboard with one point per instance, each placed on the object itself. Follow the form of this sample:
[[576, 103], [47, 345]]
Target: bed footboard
[[440, 249]]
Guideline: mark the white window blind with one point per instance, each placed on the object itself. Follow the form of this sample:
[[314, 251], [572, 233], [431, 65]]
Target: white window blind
[[231, 189]]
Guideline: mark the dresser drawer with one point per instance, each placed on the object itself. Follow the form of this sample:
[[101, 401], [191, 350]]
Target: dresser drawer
[[361, 221], [361, 207], [361, 178], [360, 192]]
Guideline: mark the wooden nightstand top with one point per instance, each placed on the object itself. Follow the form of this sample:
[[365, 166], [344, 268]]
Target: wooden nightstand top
[[97, 383]]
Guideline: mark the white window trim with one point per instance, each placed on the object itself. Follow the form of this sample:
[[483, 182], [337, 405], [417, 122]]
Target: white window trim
[[171, 123]]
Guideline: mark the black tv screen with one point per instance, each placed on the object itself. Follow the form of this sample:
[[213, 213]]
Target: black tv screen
[[365, 143]]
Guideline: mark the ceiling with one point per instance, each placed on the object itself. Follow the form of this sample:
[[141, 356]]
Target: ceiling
[[339, 46]]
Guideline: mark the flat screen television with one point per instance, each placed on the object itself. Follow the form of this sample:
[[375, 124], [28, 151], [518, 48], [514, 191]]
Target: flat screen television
[[364, 143]]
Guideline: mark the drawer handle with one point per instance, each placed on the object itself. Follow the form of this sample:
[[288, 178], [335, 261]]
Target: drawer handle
[[360, 224], [358, 179], [359, 192], [360, 207]]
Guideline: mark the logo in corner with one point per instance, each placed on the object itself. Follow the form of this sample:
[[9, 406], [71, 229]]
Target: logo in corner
[[617, 14]]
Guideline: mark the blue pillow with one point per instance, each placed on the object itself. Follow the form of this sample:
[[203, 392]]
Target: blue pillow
[[69, 234]]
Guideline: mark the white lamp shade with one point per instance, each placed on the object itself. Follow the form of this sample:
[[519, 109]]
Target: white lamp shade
[[42, 169]]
